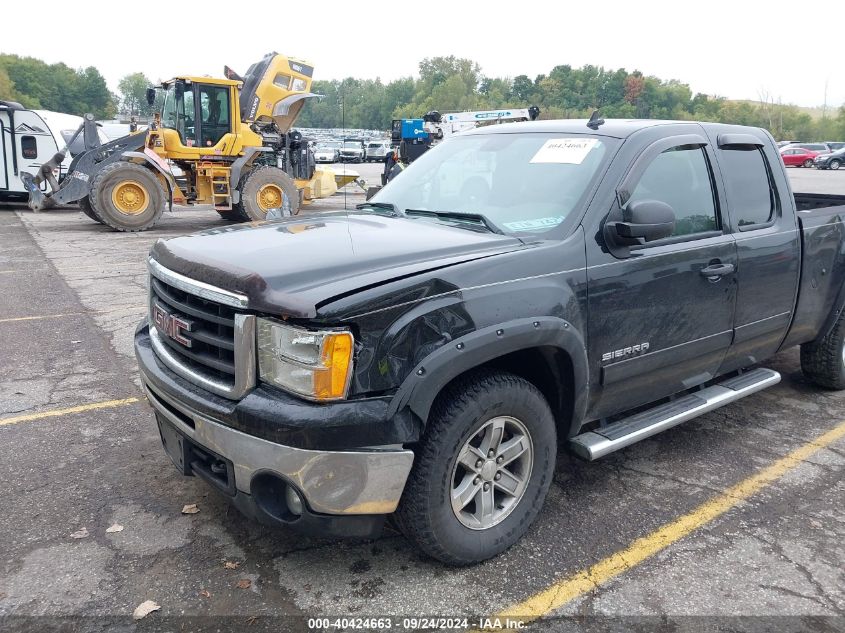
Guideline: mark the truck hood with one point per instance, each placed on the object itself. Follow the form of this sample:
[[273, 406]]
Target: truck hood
[[291, 267]]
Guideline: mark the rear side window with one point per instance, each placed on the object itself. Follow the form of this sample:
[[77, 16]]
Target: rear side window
[[29, 147], [748, 183], [680, 177]]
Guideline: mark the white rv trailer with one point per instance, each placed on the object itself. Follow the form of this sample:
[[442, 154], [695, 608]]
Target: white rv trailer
[[29, 138]]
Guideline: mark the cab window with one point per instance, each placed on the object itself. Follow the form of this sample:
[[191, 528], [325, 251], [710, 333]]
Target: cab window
[[749, 186], [214, 113], [188, 115], [680, 177]]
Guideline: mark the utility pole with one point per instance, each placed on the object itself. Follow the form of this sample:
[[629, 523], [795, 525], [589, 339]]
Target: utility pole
[[824, 106]]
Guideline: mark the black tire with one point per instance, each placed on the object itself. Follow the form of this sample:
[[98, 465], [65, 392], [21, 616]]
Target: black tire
[[232, 215], [425, 514], [88, 209], [249, 209], [823, 361], [808, 163], [113, 176], [834, 164]]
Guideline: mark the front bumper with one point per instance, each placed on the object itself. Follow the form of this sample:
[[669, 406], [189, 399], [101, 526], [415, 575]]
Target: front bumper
[[345, 492]]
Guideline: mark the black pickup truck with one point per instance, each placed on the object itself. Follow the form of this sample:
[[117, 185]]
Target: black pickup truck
[[517, 289]]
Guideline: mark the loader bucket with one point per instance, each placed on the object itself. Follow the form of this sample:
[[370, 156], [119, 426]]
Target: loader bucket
[[344, 178], [37, 200]]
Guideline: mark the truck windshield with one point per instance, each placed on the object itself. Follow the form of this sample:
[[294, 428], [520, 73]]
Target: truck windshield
[[524, 183]]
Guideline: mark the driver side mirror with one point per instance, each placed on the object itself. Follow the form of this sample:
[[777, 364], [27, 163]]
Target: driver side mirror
[[643, 221], [151, 96]]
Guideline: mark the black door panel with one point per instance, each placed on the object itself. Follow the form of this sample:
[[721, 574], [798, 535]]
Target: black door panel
[[661, 313], [663, 301]]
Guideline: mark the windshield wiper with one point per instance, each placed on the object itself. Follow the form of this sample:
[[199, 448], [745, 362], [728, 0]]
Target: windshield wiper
[[458, 217], [378, 205]]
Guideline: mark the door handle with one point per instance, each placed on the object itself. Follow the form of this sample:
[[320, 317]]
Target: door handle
[[716, 271]]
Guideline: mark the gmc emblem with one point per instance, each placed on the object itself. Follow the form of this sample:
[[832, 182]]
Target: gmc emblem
[[172, 326]]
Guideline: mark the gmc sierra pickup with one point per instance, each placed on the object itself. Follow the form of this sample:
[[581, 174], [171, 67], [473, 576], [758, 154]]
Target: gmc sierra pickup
[[518, 288]]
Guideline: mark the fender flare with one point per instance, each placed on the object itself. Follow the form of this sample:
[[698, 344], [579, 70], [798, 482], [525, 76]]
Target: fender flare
[[419, 390], [235, 174], [168, 177], [833, 316]]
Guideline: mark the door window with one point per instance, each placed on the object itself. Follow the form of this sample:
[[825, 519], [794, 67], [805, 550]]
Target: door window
[[214, 111], [680, 177], [749, 186]]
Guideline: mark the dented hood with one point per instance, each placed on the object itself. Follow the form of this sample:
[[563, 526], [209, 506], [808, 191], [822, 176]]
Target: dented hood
[[293, 266]]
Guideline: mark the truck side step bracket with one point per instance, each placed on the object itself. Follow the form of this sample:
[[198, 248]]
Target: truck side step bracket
[[607, 439]]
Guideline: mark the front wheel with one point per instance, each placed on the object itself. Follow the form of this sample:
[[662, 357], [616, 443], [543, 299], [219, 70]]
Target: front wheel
[[128, 196], [808, 162], [482, 469], [88, 209], [834, 164]]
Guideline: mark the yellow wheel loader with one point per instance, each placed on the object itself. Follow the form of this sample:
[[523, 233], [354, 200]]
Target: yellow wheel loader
[[223, 142]]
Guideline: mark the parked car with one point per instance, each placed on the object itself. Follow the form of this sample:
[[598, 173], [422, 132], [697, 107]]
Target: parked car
[[521, 287], [797, 156], [819, 148], [830, 161], [328, 152], [353, 151], [378, 150], [835, 145]]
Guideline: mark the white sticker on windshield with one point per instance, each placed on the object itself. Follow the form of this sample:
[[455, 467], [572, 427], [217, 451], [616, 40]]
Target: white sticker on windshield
[[533, 225], [564, 150]]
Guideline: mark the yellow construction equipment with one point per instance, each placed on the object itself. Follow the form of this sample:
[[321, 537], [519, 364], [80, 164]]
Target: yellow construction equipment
[[223, 142]]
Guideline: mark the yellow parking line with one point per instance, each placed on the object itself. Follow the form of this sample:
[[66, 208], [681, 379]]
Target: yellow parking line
[[39, 317], [43, 316], [106, 404], [586, 580]]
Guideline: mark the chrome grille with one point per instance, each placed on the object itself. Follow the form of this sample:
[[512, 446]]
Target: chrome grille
[[212, 345]]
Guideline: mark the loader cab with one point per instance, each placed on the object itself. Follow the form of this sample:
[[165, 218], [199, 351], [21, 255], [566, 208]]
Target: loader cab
[[199, 117]]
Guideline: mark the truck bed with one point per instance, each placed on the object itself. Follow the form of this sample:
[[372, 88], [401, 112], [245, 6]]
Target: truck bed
[[821, 218], [812, 201]]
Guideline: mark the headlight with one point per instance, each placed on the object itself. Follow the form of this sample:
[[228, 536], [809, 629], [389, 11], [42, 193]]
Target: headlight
[[316, 364]]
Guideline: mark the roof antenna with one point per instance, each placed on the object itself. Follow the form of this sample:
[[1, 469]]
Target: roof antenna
[[595, 121]]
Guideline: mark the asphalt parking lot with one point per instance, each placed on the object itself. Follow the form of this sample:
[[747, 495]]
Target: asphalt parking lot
[[81, 453]]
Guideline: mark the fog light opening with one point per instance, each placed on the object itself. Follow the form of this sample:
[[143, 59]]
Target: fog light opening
[[293, 500], [276, 498]]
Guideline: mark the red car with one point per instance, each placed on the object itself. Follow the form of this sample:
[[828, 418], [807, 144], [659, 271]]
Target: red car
[[798, 156]]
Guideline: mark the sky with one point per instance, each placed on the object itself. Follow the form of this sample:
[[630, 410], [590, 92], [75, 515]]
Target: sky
[[743, 49]]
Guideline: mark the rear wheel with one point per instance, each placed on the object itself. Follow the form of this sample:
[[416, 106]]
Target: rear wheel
[[88, 209], [823, 361], [834, 164], [265, 189], [482, 469], [128, 196]]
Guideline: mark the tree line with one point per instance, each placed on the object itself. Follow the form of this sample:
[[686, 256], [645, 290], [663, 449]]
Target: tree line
[[450, 84], [41, 86], [445, 84]]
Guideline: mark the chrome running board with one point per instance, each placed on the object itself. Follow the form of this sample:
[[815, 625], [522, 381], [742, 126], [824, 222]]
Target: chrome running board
[[602, 441]]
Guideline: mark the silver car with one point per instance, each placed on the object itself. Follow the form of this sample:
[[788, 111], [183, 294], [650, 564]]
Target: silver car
[[328, 152], [377, 151]]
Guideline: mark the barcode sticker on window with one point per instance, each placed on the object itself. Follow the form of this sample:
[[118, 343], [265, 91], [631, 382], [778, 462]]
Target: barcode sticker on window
[[564, 150]]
